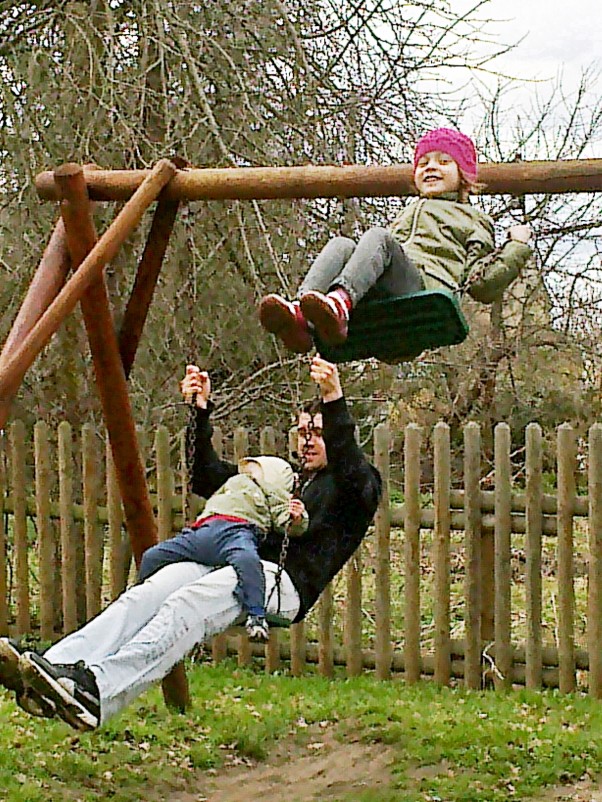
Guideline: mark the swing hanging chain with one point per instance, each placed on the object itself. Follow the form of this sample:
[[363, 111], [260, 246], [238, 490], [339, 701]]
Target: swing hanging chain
[[190, 447], [287, 532]]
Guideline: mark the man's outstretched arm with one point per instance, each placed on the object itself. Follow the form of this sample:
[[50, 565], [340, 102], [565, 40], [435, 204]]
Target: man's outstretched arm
[[345, 457], [207, 471]]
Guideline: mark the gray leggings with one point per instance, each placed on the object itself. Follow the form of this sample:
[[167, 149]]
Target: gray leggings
[[376, 267]]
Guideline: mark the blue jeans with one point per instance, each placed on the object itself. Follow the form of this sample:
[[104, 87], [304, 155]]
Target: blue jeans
[[375, 267], [215, 543]]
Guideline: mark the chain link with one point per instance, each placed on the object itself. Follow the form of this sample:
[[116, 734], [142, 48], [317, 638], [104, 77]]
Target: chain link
[[190, 449]]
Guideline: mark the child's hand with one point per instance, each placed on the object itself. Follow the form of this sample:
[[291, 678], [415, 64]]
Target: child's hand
[[296, 509], [326, 375], [197, 383], [520, 233]]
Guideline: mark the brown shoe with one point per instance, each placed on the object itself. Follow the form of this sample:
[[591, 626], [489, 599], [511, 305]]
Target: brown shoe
[[285, 320], [328, 315]]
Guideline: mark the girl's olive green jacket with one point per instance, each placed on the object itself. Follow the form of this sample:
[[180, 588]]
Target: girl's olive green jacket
[[453, 245]]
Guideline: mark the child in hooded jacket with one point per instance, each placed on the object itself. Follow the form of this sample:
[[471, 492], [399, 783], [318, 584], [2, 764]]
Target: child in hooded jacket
[[438, 242], [246, 508]]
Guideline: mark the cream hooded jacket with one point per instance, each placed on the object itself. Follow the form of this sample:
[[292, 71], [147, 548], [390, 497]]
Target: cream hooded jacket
[[259, 496]]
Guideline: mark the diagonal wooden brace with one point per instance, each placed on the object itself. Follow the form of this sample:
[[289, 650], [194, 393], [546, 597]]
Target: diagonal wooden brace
[[45, 285]]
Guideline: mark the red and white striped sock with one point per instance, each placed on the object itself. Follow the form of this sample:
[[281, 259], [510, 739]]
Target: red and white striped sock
[[342, 300]]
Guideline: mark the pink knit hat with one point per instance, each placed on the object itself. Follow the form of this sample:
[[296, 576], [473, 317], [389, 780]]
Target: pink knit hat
[[457, 145]]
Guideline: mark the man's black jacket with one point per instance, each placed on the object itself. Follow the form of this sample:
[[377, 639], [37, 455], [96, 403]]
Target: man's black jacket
[[340, 500]]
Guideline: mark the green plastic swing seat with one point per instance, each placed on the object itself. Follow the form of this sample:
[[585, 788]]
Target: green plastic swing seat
[[399, 329]]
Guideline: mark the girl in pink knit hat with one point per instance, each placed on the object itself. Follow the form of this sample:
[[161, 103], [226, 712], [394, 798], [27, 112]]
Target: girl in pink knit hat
[[440, 241]]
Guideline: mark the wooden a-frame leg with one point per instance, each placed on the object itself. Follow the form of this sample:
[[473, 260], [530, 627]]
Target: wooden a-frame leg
[[112, 385], [147, 274], [46, 283]]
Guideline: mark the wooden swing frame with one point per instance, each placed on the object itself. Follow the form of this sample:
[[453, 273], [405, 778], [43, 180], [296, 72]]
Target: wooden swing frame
[[74, 247]]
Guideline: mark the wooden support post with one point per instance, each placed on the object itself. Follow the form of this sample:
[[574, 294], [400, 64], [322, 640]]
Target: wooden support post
[[68, 539], [92, 542], [472, 614], [112, 386], [16, 437], [89, 271], [329, 181], [147, 274], [594, 596], [45, 531], [46, 283], [110, 378], [567, 467], [412, 471], [533, 588], [503, 567], [382, 567], [441, 562]]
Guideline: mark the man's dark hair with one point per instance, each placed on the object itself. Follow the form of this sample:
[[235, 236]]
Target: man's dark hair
[[311, 407]]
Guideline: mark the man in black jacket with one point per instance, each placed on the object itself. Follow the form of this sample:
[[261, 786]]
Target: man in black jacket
[[90, 675], [339, 487]]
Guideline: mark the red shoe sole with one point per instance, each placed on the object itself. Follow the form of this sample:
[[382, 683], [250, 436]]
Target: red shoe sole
[[277, 318], [329, 326]]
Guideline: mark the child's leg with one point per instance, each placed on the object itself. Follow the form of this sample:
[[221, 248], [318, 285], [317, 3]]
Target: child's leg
[[239, 550], [178, 549], [380, 267], [327, 266], [284, 318], [376, 268], [220, 542]]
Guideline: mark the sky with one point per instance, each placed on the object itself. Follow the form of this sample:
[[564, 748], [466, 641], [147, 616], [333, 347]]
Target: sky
[[557, 33], [558, 36]]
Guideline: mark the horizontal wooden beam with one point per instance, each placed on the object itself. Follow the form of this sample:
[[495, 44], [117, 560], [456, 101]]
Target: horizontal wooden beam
[[247, 183]]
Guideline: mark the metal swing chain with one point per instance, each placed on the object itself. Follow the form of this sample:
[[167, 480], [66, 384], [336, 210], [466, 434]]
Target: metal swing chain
[[190, 454], [287, 532]]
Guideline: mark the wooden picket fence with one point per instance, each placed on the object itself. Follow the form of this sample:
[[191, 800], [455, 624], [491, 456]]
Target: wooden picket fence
[[63, 555]]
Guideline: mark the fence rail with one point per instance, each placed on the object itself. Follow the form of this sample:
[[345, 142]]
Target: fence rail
[[496, 566]]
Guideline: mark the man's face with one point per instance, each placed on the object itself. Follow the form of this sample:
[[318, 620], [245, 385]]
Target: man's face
[[310, 443]]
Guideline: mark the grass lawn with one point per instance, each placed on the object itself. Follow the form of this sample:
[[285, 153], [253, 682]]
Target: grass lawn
[[480, 746]]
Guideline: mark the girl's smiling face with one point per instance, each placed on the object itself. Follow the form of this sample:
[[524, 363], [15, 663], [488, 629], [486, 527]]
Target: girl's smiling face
[[436, 173]]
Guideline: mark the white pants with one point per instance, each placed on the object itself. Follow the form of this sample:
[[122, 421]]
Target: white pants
[[152, 626]]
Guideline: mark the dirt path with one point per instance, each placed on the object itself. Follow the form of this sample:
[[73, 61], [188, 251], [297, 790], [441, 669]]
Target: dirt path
[[323, 769], [582, 791]]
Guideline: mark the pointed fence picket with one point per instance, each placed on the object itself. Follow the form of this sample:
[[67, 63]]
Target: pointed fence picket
[[63, 528]]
